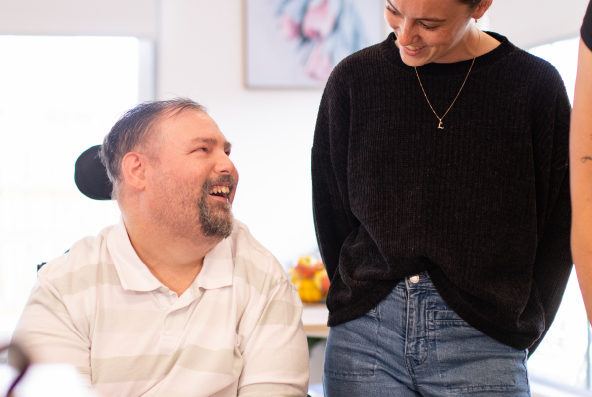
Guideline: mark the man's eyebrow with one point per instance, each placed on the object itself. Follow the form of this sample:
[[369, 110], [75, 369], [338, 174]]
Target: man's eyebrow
[[419, 19], [213, 142], [209, 141]]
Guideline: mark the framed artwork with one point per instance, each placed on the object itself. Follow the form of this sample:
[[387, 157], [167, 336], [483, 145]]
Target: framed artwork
[[297, 43]]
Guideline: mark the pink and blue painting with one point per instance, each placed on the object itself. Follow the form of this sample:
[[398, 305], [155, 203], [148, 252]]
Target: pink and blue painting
[[297, 43]]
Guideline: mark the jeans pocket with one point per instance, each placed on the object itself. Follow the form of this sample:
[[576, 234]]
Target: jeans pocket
[[448, 318], [471, 362], [351, 352]]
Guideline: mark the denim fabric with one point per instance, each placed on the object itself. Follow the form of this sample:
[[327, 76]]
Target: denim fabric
[[412, 344]]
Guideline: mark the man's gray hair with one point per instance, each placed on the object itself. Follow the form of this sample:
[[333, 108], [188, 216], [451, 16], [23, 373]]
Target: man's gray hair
[[132, 131]]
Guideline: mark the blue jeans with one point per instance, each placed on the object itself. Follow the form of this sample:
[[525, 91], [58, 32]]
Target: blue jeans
[[412, 344]]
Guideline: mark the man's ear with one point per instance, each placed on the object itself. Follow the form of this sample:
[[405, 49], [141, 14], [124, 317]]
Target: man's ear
[[133, 169]]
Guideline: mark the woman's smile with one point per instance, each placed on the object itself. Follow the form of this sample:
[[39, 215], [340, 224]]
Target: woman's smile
[[413, 50]]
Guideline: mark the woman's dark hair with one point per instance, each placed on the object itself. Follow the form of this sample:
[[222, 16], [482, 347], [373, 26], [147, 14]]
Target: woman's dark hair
[[471, 3]]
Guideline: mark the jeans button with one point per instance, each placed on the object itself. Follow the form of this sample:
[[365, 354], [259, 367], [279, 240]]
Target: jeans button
[[414, 279]]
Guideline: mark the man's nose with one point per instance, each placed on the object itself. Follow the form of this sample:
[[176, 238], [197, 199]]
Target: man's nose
[[224, 165]]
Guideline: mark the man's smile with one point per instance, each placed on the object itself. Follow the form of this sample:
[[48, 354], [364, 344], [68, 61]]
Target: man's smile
[[220, 192]]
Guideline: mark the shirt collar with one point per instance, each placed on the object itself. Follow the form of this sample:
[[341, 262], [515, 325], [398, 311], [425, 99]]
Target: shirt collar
[[133, 273], [218, 267], [216, 272]]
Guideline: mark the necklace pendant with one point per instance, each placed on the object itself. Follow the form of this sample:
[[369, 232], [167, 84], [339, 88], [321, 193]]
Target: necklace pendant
[[440, 126]]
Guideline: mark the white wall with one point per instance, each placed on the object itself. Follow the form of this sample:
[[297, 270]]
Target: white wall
[[79, 17], [200, 54], [529, 23]]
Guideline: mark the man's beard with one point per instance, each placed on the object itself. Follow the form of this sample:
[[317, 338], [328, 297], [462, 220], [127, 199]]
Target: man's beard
[[216, 218]]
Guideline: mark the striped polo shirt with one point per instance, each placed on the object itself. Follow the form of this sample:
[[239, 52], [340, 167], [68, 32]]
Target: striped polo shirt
[[235, 331]]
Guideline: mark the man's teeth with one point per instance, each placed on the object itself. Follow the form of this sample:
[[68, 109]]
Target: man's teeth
[[412, 48], [219, 189]]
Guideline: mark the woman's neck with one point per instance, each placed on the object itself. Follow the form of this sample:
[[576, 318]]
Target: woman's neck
[[476, 44]]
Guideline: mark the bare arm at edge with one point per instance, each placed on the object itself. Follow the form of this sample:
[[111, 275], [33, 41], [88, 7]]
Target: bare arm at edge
[[580, 156]]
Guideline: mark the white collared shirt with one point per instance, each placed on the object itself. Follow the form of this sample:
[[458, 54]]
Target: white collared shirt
[[235, 331]]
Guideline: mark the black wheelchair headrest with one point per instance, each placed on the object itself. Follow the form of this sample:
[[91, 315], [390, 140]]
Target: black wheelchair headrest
[[90, 175]]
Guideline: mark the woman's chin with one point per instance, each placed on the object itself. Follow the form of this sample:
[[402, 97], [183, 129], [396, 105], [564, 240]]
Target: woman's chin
[[414, 61]]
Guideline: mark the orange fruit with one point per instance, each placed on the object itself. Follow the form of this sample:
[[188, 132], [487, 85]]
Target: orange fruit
[[309, 292]]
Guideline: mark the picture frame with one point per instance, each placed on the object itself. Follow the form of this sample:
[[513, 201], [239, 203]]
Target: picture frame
[[297, 43]]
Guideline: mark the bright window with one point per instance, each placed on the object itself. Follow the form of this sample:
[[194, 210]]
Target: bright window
[[58, 96]]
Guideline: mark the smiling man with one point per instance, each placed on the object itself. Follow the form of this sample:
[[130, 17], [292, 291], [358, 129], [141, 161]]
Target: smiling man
[[178, 299]]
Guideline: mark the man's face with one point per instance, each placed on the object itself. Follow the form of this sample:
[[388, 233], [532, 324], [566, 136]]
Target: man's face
[[191, 181]]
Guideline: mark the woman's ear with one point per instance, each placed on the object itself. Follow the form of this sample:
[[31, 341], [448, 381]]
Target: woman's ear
[[481, 9], [133, 170]]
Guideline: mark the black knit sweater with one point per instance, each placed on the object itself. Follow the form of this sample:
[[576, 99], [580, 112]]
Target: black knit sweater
[[586, 30], [482, 205]]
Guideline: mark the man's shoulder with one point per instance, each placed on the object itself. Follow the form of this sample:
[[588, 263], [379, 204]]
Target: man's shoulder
[[80, 262], [253, 262]]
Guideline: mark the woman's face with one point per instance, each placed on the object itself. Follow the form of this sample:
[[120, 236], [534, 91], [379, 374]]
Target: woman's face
[[432, 30]]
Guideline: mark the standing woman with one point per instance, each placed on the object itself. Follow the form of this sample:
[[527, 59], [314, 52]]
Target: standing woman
[[581, 160], [441, 204]]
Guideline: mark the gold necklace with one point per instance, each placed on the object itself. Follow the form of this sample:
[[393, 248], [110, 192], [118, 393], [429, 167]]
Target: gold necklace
[[440, 126]]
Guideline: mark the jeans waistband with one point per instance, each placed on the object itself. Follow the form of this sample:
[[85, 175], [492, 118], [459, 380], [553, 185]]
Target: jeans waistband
[[419, 281]]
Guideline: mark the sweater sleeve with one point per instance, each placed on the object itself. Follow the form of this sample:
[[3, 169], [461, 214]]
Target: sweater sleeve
[[332, 214], [553, 262]]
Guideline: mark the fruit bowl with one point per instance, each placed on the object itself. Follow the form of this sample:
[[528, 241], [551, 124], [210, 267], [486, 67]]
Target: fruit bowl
[[310, 278]]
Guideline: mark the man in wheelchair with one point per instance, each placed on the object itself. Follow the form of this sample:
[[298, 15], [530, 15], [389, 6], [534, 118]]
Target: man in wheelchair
[[177, 299]]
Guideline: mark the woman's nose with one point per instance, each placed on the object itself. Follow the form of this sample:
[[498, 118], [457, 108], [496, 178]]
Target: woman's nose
[[406, 34]]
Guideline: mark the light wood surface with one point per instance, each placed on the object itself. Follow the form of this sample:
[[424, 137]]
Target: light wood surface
[[314, 318]]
